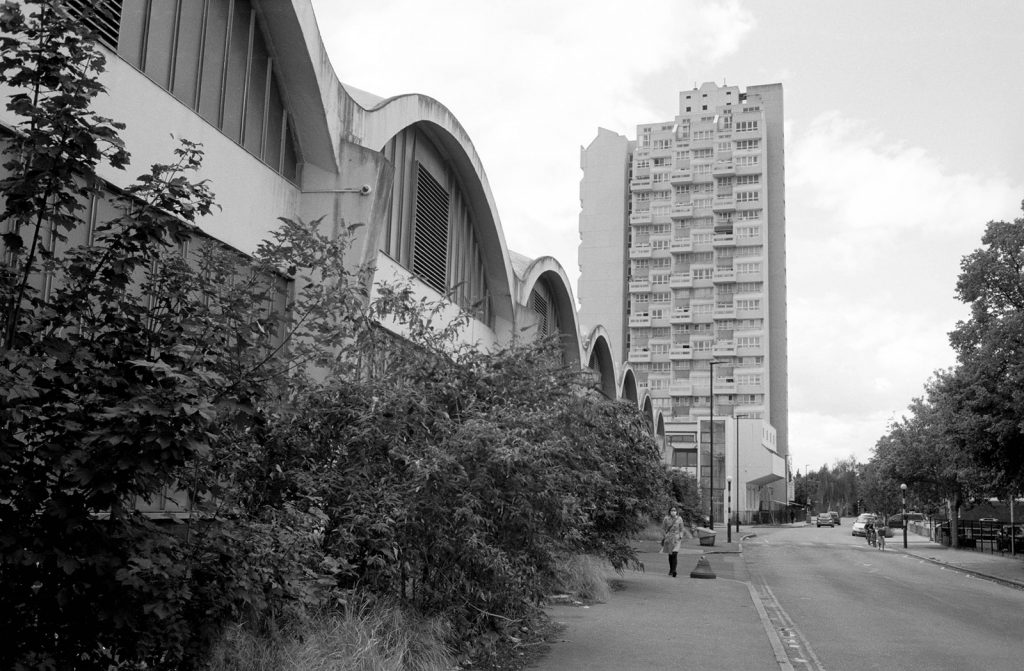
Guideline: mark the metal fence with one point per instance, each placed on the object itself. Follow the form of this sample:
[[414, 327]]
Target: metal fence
[[993, 537]]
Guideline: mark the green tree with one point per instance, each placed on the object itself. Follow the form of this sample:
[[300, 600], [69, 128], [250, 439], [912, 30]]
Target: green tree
[[684, 494], [876, 490], [990, 349], [833, 487], [58, 143], [457, 482], [928, 449]]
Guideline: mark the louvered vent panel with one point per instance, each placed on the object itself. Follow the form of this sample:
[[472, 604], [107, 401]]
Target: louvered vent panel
[[104, 20], [540, 306], [430, 234]]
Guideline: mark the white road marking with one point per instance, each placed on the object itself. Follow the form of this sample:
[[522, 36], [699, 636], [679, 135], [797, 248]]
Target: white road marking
[[784, 624]]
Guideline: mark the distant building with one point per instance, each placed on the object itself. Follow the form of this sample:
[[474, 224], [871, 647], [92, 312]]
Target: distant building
[[683, 264]]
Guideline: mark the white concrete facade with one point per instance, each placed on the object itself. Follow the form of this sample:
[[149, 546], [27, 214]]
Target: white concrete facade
[[604, 217], [285, 138]]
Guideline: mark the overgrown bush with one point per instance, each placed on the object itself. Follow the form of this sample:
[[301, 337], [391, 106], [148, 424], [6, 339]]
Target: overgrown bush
[[325, 462], [456, 483]]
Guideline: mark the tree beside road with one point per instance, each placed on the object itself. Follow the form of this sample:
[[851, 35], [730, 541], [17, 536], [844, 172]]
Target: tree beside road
[[963, 438]]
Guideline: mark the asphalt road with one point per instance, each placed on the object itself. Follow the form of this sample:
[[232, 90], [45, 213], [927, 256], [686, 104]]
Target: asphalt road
[[839, 604]]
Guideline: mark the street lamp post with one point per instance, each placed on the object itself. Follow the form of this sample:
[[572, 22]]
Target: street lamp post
[[737, 440], [728, 518], [711, 452], [903, 491], [711, 460]]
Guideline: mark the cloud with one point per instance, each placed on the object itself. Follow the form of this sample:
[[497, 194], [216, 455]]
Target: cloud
[[865, 180], [826, 439], [526, 47], [875, 233]]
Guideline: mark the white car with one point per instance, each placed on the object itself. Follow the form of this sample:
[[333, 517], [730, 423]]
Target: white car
[[862, 519]]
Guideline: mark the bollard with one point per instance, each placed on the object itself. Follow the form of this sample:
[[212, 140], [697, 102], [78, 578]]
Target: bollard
[[703, 569]]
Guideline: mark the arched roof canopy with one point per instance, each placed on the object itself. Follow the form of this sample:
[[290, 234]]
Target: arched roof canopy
[[659, 432], [547, 271], [600, 361], [647, 408], [629, 391], [374, 127], [494, 254]]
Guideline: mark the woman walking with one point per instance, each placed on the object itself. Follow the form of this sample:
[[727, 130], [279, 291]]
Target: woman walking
[[672, 526]]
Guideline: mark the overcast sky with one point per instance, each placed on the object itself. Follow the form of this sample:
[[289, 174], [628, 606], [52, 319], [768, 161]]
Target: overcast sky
[[904, 136]]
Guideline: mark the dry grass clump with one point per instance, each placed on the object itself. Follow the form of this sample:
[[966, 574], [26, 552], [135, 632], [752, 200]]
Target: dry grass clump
[[586, 577], [367, 637]]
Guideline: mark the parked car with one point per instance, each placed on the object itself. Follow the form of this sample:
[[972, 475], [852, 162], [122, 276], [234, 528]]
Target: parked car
[[835, 517], [825, 519], [896, 521], [858, 525]]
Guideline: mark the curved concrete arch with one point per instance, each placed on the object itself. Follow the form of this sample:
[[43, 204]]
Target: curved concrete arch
[[659, 434], [647, 408], [599, 359], [448, 137], [629, 388], [547, 271], [343, 114]]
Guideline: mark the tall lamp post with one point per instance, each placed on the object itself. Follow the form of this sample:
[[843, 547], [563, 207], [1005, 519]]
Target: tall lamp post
[[711, 460], [903, 491], [728, 518], [736, 419]]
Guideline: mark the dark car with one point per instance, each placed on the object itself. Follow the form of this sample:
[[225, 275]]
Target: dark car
[[835, 517]]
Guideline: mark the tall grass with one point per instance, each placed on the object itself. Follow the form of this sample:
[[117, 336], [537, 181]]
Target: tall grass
[[585, 577], [367, 637]]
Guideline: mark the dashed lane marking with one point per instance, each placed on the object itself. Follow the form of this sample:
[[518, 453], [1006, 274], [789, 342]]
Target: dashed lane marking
[[799, 648]]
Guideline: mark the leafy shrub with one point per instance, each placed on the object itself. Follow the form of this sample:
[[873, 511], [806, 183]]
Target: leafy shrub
[[325, 462]]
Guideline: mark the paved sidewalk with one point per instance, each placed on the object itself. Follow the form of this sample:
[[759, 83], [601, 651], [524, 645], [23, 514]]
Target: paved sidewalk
[[1000, 567], [658, 622]]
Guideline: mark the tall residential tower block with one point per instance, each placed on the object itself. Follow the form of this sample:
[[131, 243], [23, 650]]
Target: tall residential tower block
[[683, 262]]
